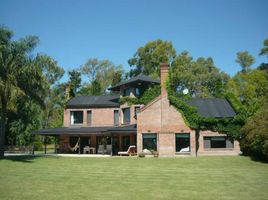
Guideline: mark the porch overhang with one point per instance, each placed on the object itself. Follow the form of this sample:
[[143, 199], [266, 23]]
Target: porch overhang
[[103, 130]]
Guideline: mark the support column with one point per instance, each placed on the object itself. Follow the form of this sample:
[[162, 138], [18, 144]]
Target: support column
[[45, 141]]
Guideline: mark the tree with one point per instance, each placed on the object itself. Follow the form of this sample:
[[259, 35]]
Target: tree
[[148, 58], [201, 77], [21, 74], [250, 88], [245, 60], [74, 82], [95, 88], [264, 50], [103, 72], [255, 140]]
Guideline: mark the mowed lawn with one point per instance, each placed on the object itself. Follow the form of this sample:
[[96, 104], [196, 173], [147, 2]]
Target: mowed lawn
[[133, 178]]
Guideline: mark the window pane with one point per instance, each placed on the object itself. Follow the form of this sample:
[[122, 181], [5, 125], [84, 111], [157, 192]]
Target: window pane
[[127, 92], [126, 113], [182, 142], [76, 117], [89, 117], [116, 117], [149, 141]]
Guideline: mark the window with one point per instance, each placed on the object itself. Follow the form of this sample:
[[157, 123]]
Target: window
[[116, 117], [89, 117], [76, 117], [149, 141], [183, 142], [127, 92], [126, 115], [218, 142], [137, 110], [137, 92]]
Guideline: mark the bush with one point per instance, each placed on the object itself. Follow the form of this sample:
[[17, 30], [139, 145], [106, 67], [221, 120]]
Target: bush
[[38, 146], [255, 135]]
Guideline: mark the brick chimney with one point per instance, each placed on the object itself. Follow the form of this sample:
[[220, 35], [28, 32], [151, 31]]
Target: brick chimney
[[163, 76]]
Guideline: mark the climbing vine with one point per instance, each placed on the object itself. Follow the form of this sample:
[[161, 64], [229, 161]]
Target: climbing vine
[[229, 126]]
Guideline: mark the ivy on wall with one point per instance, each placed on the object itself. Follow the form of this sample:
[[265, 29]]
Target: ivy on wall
[[230, 126]]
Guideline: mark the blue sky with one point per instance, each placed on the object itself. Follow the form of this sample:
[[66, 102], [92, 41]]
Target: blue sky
[[72, 31]]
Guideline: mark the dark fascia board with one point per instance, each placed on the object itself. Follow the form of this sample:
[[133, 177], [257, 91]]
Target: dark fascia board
[[93, 106], [135, 80]]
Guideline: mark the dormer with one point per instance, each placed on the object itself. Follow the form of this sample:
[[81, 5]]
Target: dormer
[[135, 86]]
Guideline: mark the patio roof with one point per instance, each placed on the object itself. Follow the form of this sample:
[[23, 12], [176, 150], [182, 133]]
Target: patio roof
[[87, 130]]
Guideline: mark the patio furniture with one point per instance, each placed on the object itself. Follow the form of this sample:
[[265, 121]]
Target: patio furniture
[[108, 149], [130, 152], [89, 150]]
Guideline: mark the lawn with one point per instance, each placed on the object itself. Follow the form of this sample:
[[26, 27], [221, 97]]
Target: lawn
[[133, 178]]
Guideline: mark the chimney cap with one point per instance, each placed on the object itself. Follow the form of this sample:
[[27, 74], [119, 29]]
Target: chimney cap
[[164, 65]]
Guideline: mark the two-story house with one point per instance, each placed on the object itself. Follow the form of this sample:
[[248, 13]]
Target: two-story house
[[106, 126]]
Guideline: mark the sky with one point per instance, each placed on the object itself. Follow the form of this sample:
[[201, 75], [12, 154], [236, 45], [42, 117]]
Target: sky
[[72, 31]]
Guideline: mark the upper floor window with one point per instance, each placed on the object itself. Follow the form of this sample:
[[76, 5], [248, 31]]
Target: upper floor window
[[126, 115], [126, 92], [116, 117], [89, 117], [137, 92], [76, 117]]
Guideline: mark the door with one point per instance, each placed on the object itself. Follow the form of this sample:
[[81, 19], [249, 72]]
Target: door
[[84, 141], [115, 144], [126, 142]]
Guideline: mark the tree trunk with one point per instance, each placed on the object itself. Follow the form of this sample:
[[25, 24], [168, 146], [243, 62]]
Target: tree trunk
[[3, 127]]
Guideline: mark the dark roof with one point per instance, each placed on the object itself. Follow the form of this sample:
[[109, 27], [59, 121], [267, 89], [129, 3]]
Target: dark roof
[[135, 80], [93, 101], [212, 107], [87, 130]]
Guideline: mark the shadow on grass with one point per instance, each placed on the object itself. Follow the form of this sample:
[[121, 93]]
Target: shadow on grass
[[24, 158], [256, 158]]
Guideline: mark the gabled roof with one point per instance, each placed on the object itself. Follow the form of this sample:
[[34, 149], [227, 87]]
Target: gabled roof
[[93, 101], [135, 80], [87, 130], [212, 107]]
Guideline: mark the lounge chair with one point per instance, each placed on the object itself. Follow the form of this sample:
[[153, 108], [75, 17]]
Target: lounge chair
[[130, 152]]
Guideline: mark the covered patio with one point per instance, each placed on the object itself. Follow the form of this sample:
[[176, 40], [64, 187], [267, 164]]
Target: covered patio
[[91, 140]]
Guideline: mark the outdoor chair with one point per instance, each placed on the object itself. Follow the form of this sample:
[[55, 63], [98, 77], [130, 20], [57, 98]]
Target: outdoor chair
[[130, 152]]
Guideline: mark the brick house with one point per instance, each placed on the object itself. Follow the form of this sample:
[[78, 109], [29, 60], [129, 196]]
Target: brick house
[[100, 124]]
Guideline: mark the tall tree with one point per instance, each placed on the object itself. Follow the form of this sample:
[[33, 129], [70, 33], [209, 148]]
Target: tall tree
[[21, 73], [245, 60], [264, 50], [201, 77], [74, 82], [103, 72], [147, 59]]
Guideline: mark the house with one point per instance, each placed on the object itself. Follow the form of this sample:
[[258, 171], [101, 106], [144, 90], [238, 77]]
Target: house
[[100, 124]]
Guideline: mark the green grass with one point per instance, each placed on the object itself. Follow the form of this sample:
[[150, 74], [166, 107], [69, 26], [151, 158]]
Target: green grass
[[133, 178]]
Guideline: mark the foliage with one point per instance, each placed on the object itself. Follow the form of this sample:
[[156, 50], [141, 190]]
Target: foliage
[[103, 72], [264, 50], [28, 118], [201, 77], [255, 132], [250, 88], [147, 59], [229, 126], [245, 60], [74, 82]]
